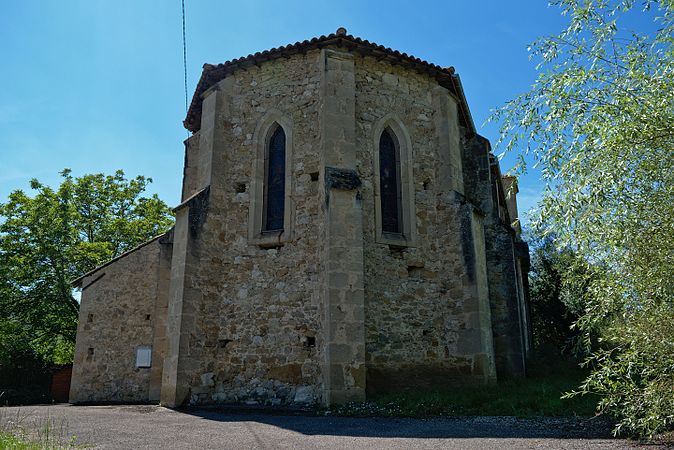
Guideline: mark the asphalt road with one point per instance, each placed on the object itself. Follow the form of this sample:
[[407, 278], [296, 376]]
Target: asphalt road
[[153, 427]]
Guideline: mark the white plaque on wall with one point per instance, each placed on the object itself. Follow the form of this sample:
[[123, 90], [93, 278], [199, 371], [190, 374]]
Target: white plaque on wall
[[143, 357]]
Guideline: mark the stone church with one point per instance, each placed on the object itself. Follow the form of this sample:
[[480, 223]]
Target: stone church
[[343, 231]]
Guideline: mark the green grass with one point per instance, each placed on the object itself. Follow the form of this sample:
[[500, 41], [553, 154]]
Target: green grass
[[537, 395], [19, 430], [10, 441], [18, 440]]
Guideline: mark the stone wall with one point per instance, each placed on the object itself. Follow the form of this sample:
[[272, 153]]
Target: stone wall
[[331, 306], [485, 189], [250, 315], [505, 301], [422, 303], [277, 324], [341, 234], [191, 168], [122, 308], [160, 316]]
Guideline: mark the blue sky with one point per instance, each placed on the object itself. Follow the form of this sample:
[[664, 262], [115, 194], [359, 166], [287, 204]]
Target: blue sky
[[97, 85]]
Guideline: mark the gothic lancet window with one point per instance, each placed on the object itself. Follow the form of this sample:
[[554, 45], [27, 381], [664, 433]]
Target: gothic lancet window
[[389, 182], [274, 181]]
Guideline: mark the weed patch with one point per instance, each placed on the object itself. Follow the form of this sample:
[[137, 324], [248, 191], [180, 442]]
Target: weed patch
[[537, 395], [22, 431]]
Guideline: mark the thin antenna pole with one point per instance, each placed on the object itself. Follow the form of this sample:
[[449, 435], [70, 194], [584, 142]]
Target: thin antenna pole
[[184, 55]]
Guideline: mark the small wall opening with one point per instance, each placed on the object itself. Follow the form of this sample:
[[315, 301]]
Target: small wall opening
[[314, 176], [415, 272], [90, 318], [223, 343], [396, 250], [309, 341], [148, 316], [240, 188]]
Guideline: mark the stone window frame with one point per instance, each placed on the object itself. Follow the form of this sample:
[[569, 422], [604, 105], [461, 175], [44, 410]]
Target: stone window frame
[[263, 132], [408, 236]]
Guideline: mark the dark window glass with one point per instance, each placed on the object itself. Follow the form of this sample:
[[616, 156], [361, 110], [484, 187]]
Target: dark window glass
[[389, 179], [275, 181]]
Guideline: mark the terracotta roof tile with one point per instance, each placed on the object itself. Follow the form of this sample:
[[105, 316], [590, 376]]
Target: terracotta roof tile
[[212, 74]]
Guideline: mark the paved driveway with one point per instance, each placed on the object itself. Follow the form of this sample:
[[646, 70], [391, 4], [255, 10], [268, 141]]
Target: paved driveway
[[141, 427]]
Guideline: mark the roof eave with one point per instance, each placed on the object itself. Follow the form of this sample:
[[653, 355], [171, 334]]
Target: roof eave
[[212, 74], [465, 110], [77, 282]]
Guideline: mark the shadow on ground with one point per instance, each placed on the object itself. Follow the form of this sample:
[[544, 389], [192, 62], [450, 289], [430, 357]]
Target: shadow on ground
[[431, 428]]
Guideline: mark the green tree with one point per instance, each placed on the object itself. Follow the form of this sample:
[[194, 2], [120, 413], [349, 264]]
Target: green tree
[[599, 122], [555, 307], [52, 237]]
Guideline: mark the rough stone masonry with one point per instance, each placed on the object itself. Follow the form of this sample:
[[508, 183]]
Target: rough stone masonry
[[333, 303]]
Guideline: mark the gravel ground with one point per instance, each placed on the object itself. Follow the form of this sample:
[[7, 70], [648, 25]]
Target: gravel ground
[[146, 427]]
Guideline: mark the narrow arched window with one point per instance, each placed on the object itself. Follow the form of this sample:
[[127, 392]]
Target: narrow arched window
[[275, 180], [389, 183]]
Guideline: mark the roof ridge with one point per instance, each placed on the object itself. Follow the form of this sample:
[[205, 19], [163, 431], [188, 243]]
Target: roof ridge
[[322, 38]]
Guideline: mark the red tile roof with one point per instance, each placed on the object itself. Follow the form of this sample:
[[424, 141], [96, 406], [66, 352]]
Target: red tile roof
[[212, 74]]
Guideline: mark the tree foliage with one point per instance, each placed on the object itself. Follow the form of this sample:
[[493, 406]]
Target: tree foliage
[[556, 298], [599, 122], [56, 235]]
